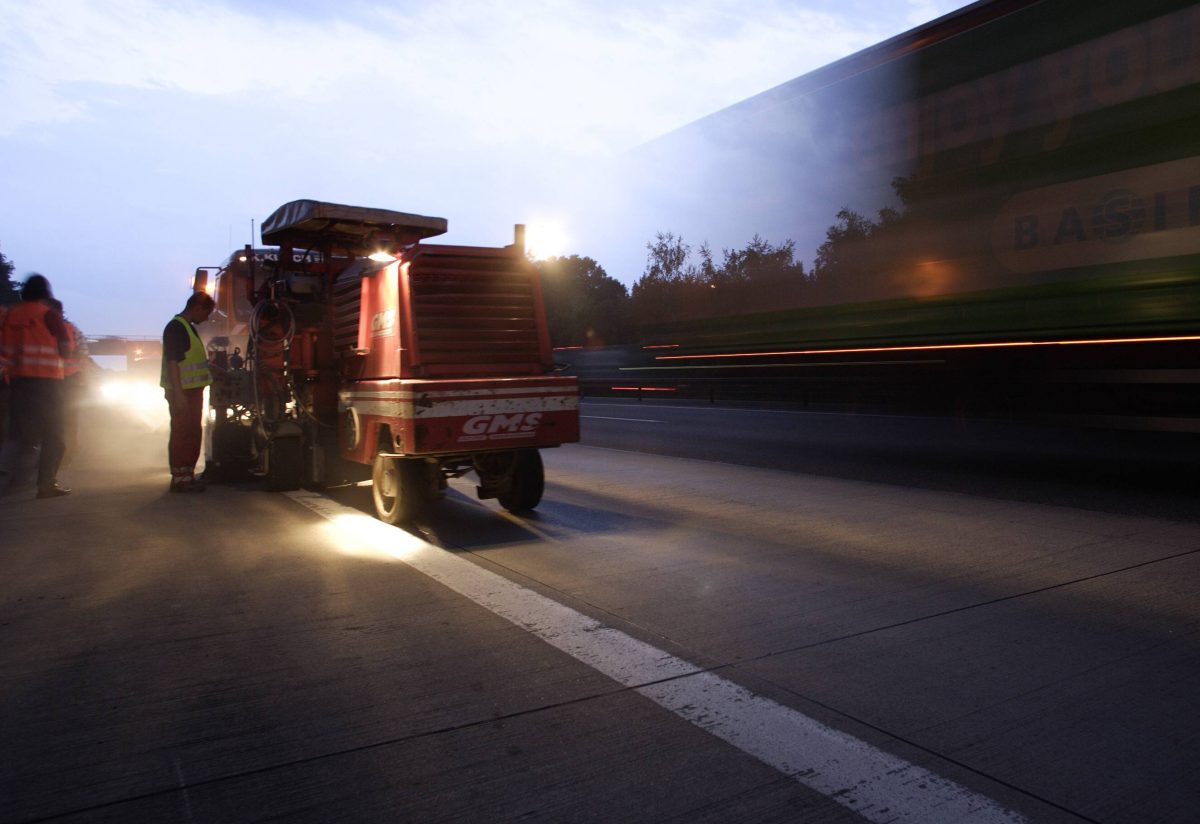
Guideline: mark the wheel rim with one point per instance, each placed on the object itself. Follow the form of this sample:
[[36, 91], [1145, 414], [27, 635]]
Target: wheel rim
[[385, 488], [387, 483]]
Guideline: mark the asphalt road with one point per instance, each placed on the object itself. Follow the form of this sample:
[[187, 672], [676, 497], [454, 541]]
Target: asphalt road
[[1104, 470], [807, 618]]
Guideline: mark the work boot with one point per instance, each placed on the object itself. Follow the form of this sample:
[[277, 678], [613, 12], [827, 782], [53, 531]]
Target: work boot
[[54, 490], [188, 486]]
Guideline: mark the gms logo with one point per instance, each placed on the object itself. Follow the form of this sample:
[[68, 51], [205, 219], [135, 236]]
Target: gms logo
[[501, 427], [383, 323], [1148, 212]]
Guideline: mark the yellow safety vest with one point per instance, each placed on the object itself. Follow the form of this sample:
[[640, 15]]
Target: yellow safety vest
[[193, 369]]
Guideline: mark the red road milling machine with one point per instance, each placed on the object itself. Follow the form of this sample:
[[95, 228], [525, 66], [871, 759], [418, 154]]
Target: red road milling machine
[[355, 351]]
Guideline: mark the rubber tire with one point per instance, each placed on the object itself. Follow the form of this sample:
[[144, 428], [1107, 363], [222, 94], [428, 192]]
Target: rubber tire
[[230, 447], [406, 482], [526, 484], [285, 464]]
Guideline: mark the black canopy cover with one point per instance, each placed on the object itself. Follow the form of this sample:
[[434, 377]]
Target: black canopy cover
[[312, 223]]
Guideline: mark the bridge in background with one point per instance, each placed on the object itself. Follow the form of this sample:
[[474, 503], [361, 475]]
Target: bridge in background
[[133, 348]]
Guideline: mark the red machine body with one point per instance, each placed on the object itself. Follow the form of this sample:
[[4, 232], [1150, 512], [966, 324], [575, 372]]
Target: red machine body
[[441, 417], [366, 347]]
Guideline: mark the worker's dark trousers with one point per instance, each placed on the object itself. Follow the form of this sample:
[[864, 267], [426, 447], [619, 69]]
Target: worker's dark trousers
[[183, 448], [36, 417]]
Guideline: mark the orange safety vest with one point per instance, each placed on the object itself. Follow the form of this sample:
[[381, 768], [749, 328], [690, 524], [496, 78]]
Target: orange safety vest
[[73, 362], [3, 358], [29, 347]]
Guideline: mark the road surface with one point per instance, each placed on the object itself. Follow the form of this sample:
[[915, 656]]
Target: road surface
[[890, 632]]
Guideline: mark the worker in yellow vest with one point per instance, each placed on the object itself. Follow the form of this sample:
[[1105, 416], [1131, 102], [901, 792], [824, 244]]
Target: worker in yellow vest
[[185, 373]]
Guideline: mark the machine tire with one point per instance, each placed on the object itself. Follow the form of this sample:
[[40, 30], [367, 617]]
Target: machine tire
[[397, 488], [285, 464], [352, 428], [525, 484], [228, 456]]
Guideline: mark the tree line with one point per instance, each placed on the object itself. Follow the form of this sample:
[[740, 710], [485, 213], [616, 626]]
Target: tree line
[[587, 307]]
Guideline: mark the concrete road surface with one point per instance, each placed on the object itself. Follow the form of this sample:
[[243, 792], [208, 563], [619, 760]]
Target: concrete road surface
[[666, 640]]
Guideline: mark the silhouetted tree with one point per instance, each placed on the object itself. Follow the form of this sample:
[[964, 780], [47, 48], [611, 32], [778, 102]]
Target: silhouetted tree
[[661, 293], [584, 306], [10, 291], [834, 254], [861, 259], [668, 260], [757, 277]]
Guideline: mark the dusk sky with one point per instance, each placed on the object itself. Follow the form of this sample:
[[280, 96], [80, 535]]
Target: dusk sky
[[140, 139]]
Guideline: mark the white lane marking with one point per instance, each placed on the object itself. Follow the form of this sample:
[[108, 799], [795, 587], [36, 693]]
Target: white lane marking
[[604, 418], [874, 784], [187, 801]]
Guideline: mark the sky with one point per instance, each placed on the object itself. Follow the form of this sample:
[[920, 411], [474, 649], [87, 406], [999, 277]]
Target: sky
[[141, 139]]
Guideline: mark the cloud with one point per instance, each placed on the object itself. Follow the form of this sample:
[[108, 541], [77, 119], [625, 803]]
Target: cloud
[[922, 11], [60, 56], [578, 77]]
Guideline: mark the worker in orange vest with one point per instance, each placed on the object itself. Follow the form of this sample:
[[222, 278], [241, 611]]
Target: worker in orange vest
[[35, 341], [3, 379]]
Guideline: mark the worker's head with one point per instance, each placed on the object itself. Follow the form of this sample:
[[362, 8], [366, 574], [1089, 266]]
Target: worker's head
[[36, 287], [198, 307]]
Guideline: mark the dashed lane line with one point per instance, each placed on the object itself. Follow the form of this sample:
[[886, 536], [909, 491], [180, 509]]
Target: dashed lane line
[[607, 418]]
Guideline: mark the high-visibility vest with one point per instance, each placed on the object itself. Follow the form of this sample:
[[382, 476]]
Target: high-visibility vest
[[73, 362], [3, 357], [193, 369], [29, 347]]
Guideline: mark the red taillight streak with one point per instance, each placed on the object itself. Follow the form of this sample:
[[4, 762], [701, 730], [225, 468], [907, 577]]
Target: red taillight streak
[[931, 347]]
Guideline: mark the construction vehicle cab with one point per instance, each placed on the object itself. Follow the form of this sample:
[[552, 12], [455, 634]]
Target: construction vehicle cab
[[357, 352]]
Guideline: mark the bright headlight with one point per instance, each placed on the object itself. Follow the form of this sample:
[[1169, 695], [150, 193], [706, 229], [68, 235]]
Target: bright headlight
[[131, 393]]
